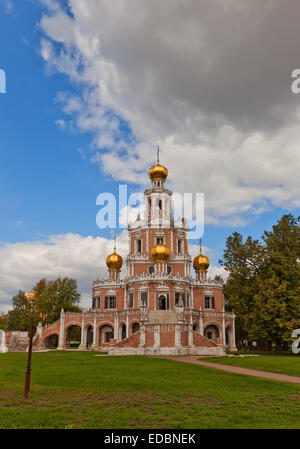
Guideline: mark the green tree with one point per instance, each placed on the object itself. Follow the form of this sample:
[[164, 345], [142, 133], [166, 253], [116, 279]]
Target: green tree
[[18, 318], [263, 287], [3, 322], [52, 296], [49, 298]]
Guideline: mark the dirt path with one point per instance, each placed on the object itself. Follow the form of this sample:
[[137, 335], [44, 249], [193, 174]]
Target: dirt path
[[237, 369]]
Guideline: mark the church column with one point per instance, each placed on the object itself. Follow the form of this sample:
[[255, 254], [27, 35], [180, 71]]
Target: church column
[[156, 336], [116, 327], [147, 241], [177, 335], [94, 330], [127, 324], [223, 331], [61, 330], [190, 332], [125, 298], [82, 342], [201, 323], [233, 343], [142, 335]]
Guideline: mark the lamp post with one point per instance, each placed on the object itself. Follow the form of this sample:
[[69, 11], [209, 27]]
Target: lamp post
[[29, 296]]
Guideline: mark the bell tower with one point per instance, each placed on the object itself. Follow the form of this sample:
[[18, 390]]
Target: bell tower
[[158, 205]]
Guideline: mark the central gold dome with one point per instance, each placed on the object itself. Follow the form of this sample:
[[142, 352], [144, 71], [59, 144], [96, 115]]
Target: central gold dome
[[160, 253], [114, 261], [158, 172]]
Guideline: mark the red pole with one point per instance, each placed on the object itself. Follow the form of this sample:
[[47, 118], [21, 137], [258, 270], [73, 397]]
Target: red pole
[[28, 372]]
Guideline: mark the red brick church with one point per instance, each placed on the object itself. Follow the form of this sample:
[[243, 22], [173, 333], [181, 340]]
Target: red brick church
[[158, 308]]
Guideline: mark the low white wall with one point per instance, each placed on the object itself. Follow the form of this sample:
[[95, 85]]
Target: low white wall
[[3, 347], [215, 351]]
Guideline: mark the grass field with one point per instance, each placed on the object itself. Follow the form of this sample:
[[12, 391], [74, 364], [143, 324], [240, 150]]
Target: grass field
[[276, 364], [80, 390]]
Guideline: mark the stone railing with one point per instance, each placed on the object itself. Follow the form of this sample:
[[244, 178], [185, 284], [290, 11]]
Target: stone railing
[[158, 277]]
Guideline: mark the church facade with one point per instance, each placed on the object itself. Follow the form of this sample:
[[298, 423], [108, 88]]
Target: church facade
[[158, 308]]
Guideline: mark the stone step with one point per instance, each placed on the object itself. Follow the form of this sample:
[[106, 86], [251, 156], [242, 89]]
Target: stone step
[[162, 317]]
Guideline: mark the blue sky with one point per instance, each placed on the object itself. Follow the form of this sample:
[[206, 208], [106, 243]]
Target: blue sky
[[46, 186], [52, 166]]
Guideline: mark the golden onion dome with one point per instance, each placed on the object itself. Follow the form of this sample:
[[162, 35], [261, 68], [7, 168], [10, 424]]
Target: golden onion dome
[[201, 263], [158, 172], [160, 252], [114, 261]]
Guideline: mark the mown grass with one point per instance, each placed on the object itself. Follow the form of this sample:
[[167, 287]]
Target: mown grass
[[275, 364], [79, 390]]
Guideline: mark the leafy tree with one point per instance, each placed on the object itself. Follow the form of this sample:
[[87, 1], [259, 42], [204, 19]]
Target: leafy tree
[[49, 298], [52, 296], [3, 322], [263, 287]]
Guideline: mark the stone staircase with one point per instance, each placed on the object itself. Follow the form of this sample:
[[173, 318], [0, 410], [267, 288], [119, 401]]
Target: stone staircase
[[162, 317]]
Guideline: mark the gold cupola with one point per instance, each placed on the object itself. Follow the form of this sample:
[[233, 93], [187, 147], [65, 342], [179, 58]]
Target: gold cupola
[[160, 252], [114, 261], [158, 171], [201, 262]]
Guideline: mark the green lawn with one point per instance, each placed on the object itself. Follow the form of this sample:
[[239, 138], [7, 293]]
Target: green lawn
[[276, 364], [79, 390]]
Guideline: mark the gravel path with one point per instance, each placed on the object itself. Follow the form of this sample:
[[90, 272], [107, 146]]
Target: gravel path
[[237, 369]]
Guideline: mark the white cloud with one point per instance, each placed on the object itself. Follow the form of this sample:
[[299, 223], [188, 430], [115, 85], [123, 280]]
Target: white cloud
[[22, 264], [199, 78], [8, 6]]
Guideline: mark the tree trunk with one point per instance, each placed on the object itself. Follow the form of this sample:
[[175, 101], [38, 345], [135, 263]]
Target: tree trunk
[[270, 347], [278, 347]]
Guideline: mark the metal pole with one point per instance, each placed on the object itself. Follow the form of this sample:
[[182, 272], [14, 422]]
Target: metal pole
[[28, 372]]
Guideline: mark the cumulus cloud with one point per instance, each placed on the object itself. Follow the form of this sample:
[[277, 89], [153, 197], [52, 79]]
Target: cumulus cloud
[[208, 81], [22, 264]]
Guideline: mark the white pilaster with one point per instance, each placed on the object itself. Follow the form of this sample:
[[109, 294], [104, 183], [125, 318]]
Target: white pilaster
[[83, 340], [156, 336], [116, 327], [94, 330], [142, 335], [201, 332], [223, 331], [127, 324], [61, 342], [190, 332], [177, 335]]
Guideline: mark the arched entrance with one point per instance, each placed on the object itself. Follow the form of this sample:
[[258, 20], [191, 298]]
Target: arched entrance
[[162, 302], [73, 336], [122, 331], [228, 336], [89, 337], [135, 327], [211, 332], [105, 334], [195, 326], [51, 342]]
